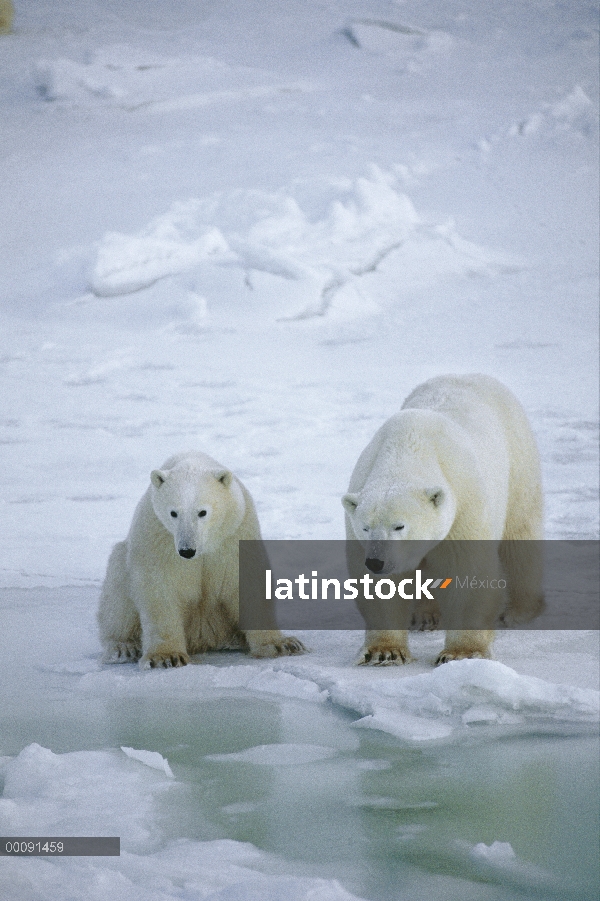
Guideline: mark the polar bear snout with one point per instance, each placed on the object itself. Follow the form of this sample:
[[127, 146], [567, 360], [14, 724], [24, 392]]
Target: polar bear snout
[[374, 564], [187, 552], [187, 536]]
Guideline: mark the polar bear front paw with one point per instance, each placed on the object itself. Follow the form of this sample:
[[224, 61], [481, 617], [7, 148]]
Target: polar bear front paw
[[384, 656], [165, 659], [122, 652], [446, 656], [292, 645], [279, 646]]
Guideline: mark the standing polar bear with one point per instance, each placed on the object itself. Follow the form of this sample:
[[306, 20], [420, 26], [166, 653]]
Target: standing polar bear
[[458, 462], [171, 588]]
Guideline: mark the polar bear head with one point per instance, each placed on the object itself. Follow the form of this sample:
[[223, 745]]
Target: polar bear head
[[199, 506], [399, 525]]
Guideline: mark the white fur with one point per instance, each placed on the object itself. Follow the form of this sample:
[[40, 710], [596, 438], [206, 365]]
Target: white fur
[[171, 588], [459, 461]]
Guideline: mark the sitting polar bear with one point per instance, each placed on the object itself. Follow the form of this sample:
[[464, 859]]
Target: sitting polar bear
[[171, 588], [459, 461]]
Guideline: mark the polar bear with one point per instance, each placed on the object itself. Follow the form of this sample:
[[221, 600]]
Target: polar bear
[[171, 588], [459, 461]]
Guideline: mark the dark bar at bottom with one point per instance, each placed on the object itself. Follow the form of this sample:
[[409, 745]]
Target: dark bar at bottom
[[51, 846]]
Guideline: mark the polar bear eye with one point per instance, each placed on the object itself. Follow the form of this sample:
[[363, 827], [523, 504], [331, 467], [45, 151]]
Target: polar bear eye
[[398, 528], [173, 514], [202, 513]]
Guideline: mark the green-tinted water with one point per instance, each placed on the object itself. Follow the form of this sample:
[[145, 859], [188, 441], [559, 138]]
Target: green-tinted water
[[388, 821]]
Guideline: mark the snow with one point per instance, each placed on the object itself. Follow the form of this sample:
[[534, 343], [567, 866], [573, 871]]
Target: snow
[[150, 758], [408, 48], [367, 223], [277, 755], [499, 852], [431, 705], [252, 228], [46, 794]]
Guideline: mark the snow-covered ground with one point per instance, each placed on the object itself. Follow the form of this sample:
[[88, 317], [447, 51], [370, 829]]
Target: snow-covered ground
[[252, 227]]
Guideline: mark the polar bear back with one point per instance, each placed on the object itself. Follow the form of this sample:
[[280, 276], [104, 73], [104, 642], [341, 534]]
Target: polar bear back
[[504, 443], [473, 432]]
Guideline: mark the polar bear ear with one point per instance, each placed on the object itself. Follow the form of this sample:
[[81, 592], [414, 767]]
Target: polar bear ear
[[224, 477], [436, 496], [157, 477], [350, 502]]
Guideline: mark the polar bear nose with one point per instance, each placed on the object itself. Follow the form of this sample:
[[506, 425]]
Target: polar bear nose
[[187, 552], [374, 564]]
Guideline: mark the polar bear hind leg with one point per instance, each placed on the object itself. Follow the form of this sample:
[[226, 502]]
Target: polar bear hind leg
[[119, 622]]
